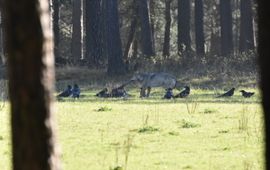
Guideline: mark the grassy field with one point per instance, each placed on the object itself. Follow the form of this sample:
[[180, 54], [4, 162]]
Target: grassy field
[[201, 132]]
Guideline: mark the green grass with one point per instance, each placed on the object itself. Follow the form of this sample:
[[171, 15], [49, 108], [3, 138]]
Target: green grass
[[155, 134]]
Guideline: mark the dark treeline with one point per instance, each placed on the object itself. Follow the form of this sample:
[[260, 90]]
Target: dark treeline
[[127, 35]]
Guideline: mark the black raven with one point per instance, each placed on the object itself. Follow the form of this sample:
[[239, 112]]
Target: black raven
[[103, 93], [228, 93], [76, 91], [183, 93], [168, 94], [66, 93], [246, 94], [119, 92]]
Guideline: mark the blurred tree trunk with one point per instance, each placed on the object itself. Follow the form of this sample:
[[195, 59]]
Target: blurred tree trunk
[[226, 27], [132, 31], [1, 39], [76, 46], [135, 48], [130, 39], [246, 27], [146, 32], [114, 48], [199, 31], [184, 39], [167, 31], [103, 32], [56, 30], [264, 55], [236, 23], [93, 32], [214, 29], [152, 21], [31, 79]]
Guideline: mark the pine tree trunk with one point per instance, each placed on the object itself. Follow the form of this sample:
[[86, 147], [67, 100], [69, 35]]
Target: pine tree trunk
[[152, 22], [132, 31], [56, 31], [114, 48], [246, 27], [31, 79], [146, 32], [167, 33], [184, 39], [264, 55], [199, 31], [226, 27], [93, 32], [76, 46], [1, 40]]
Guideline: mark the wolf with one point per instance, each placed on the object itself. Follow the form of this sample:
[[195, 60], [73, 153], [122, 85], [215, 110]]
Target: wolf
[[149, 80]]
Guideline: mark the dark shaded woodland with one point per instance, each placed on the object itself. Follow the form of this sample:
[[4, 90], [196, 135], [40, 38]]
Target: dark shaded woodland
[[154, 35], [118, 31]]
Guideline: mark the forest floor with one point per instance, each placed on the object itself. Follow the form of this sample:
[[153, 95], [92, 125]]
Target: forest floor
[[201, 132]]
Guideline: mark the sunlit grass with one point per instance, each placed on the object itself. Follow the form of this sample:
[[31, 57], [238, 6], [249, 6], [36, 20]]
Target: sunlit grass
[[155, 134]]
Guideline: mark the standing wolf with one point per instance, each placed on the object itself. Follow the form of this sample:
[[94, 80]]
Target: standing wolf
[[149, 80]]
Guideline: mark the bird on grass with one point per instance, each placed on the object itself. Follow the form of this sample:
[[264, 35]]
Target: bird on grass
[[228, 93], [76, 91], [119, 92], [246, 94], [183, 93], [168, 94], [103, 93], [66, 93]]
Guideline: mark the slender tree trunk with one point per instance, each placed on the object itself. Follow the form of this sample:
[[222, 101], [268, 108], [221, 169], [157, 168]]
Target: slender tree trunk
[[103, 32], [132, 31], [93, 32], [114, 48], [264, 55], [56, 31], [146, 33], [152, 21], [31, 79], [76, 46], [184, 39], [1, 40], [167, 33], [226, 27], [135, 48], [199, 31], [236, 26], [246, 27]]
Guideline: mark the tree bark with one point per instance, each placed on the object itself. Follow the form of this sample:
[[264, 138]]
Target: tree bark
[[56, 31], [246, 27], [184, 39], [146, 32], [131, 35], [1, 39], [264, 55], [76, 46], [152, 22], [199, 31], [114, 48], [31, 79], [93, 32], [167, 32], [226, 27]]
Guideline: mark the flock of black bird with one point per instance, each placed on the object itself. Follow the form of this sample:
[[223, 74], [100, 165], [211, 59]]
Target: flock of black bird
[[116, 92], [231, 92], [186, 92], [70, 92], [121, 92]]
